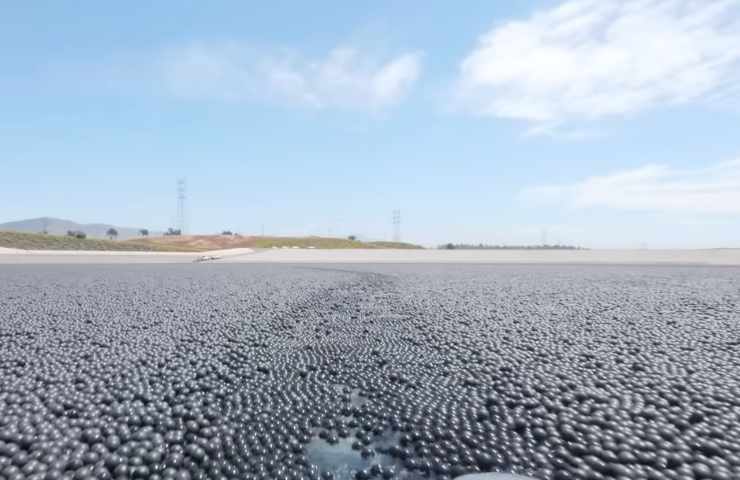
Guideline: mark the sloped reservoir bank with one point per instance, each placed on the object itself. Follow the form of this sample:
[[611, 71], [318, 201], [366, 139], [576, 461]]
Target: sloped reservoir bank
[[253, 371]]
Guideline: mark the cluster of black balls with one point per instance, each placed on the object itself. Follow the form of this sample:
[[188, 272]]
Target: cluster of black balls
[[369, 372]]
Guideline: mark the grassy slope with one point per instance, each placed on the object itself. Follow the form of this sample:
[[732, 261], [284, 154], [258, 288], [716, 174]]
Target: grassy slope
[[190, 243], [217, 242], [35, 241]]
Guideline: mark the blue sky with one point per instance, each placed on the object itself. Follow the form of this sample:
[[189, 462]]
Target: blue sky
[[600, 122]]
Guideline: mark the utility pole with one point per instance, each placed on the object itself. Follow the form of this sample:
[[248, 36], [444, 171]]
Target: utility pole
[[396, 225], [181, 196]]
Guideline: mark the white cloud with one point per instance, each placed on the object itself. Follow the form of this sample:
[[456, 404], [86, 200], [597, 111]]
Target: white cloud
[[658, 188], [345, 78], [587, 59]]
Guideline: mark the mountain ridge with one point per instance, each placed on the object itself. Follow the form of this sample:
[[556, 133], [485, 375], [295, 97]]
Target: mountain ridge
[[60, 226]]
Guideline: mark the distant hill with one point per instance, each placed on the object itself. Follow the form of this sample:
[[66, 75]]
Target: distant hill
[[58, 226]]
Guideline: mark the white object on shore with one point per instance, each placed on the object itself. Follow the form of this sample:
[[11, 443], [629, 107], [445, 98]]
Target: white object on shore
[[206, 258]]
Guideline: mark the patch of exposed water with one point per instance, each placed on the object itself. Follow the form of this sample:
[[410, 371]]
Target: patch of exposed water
[[339, 458], [343, 461], [355, 398]]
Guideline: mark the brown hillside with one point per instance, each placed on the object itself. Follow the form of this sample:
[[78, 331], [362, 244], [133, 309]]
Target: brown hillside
[[219, 242]]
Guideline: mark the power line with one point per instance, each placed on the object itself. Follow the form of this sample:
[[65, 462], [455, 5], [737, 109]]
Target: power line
[[181, 196]]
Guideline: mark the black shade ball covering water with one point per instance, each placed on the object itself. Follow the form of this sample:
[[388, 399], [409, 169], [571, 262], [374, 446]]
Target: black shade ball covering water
[[403, 372]]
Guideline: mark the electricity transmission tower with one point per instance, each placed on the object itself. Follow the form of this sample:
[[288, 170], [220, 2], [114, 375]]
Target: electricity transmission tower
[[396, 225], [181, 196]]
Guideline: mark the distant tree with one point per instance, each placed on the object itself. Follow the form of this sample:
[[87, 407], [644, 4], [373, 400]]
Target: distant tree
[[173, 231], [112, 233], [227, 232], [144, 232], [352, 237], [450, 246], [76, 234]]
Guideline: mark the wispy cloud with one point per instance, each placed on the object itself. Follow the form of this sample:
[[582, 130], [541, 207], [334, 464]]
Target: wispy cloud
[[658, 188], [345, 78], [588, 59]]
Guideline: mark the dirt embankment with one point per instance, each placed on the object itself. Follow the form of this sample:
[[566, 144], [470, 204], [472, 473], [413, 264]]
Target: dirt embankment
[[221, 242]]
